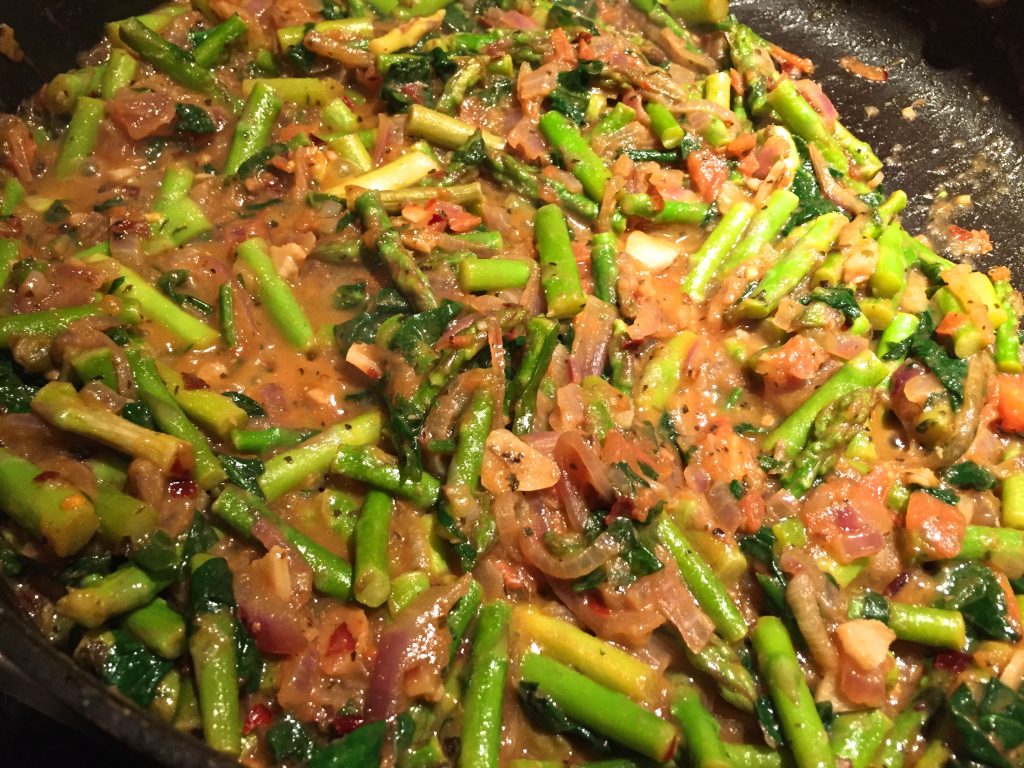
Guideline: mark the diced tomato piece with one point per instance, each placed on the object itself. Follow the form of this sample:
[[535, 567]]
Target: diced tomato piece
[[708, 172], [936, 528], [1011, 403], [951, 323]]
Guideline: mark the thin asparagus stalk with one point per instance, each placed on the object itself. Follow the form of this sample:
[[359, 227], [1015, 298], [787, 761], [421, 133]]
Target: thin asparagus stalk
[[171, 60], [664, 124], [801, 118], [159, 627], [706, 587], [889, 277], [791, 268], [157, 307], [916, 623], [372, 583], [48, 322], [58, 404], [719, 661], [81, 136], [560, 276], [288, 470], [857, 736], [1007, 350], [604, 266], [275, 294], [482, 707], [671, 211], [604, 663], [400, 263], [215, 664], [49, 508], [541, 339], [218, 39], [764, 227], [576, 154], [801, 725], [482, 275], [123, 518], [863, 371], [169, 416], [700, 729], [127, 588], [455, 89], [526, 180], [663, 372], [607, 712], [715, 249], [373, 466], [406, 588], [332, 575], [119, 73]]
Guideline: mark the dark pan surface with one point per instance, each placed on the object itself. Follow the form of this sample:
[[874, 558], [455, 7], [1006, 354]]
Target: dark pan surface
[[959, 65]]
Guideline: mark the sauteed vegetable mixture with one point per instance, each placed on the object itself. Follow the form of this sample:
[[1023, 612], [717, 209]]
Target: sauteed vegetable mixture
[[430, 383]]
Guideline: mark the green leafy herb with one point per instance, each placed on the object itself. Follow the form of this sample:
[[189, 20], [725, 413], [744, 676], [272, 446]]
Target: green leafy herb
[[133, 669], [875, 607], [261, 159], [290, 740], [945, 495], [552, 718], [110, 202], [15, 393], [248, 659], [404, 82], [967, 474], [159, 555], [245, 473], [592, 580], [210, 588], [737, 490], [572, 94], [760, 547], [805, 186], [56, 213], [138, 413], [841, 299], [972, 589], [974, 738], [950, 371], [192, 119], [331, 10], [359, 749], [768, 719], [92, 562], [246, 403], [350, 296], [170, 282]]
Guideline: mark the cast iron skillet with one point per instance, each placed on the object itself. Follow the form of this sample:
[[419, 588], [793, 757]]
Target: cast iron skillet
[[958, 64]]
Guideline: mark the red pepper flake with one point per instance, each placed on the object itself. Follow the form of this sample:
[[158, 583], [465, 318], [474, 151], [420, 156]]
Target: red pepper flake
[[192, 381], [341, 641], [47, 476], [343, 725], [259, 717], [182, 488]]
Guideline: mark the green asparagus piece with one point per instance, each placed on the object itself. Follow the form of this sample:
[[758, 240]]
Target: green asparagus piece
[[254, 126], [48, 507], [857, 736], [170, 418], [719, 661], [576, 154], [541, 339], [81, 136], [373, 466], [58, 404], [289, 469], [399, 262], [127, 588], [863, 371], [706, 587], [372, 583], [671, 211], [700, 729], [282, 306], [560, 276], [607, 712], [763, 229], [212, 47], [601, 661], [792, 267], [801, 118], [801, 725], [482, 707], [715, 250], [159, 627], [482, 275]]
